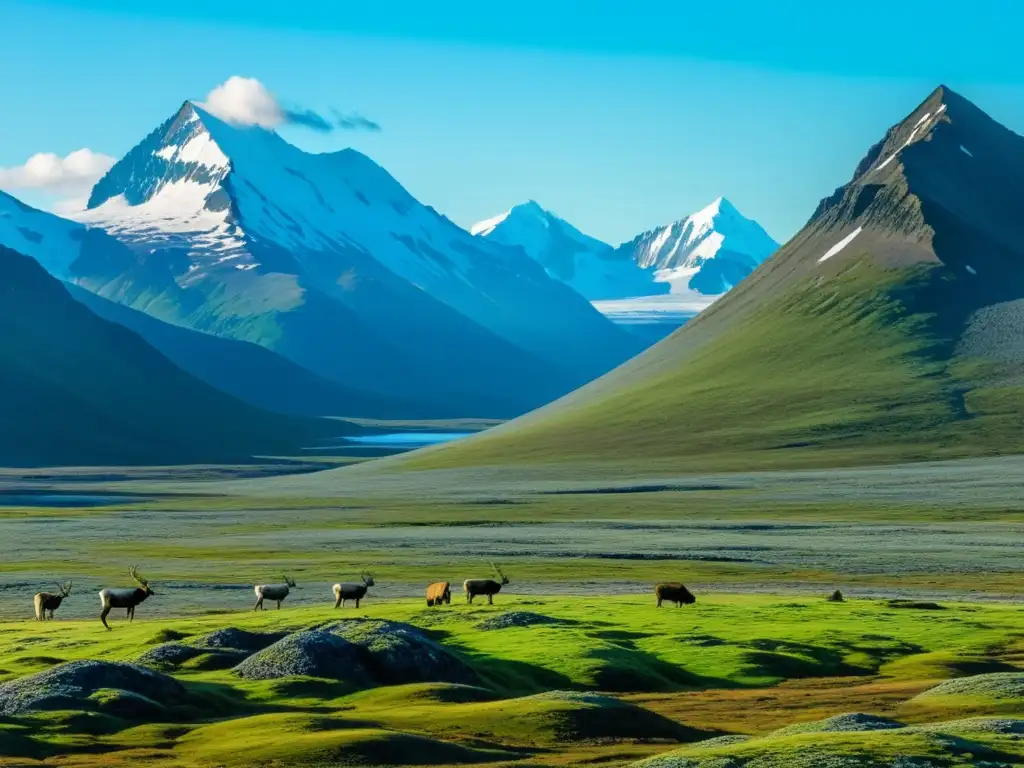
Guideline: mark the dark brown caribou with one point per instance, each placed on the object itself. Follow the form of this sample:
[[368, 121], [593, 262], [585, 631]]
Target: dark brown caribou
[[125, 597], [489, 587], [352, 590], [48, 601], [674, 593], [439, 593]]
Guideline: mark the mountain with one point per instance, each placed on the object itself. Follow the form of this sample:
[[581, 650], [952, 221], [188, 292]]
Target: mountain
[[247, 371], [655, 282], [328, 261], [77, 389], [706, 253], [590, 267], [888, 329]]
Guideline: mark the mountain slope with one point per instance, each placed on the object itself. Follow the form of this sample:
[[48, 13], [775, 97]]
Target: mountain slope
[[329, 261], [247, 371], [77, 389], [887, 329]]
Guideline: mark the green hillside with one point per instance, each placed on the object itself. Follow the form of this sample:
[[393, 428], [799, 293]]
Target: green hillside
[[902, 345], [77, 389]]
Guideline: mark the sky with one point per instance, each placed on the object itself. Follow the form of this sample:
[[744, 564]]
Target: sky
[[616, 116]]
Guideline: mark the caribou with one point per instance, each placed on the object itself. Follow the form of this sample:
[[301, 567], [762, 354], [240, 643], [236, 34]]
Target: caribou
[[352, 590], [275, 592], [674, 593], [125, 597], [489, 587], [48, 601], [439, 593]]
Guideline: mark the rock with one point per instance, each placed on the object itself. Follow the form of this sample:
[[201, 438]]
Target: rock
[[314, 653], [516, 619], [169, 655], [240, 639], [916, 605], [1000, 686], [72, 686], [398, 653], [849, 722]]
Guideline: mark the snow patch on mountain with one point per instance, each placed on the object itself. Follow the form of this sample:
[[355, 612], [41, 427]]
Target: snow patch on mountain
[[838, 247]]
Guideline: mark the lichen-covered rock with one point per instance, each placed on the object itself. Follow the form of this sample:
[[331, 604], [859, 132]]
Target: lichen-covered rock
[[313, 653], [1000, 686], [398, 653], [169, 655], [239, 639], [848, 722], [517, 619], [73, 686]]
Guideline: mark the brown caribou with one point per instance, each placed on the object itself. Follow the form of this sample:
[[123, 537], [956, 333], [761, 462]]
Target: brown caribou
[[48, 601], [489, 587], [439, 593], [674, 593], [125, 597]]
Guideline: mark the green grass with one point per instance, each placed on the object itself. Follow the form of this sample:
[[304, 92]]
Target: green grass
[[855, 369], [624, 647]]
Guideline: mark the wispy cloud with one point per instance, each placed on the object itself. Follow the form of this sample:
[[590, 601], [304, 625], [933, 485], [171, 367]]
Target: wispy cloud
[[247, 101], [72, 175], [355, 122]]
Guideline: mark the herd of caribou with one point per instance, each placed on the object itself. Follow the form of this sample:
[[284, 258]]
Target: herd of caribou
[[438, 593]]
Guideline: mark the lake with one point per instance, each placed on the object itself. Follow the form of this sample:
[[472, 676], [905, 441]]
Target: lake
[[392, 442]]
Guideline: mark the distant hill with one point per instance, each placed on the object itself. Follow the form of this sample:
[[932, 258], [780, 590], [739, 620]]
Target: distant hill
[[889, 328], [76, 389]]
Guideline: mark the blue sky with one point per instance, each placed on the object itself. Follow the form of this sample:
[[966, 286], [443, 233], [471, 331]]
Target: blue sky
[[618, 116]]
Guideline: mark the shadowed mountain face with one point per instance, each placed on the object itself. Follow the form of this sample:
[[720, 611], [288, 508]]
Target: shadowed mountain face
[[328, 261], [888, 329], [77, 389]]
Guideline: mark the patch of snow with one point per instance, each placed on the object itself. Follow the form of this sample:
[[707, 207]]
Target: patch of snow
[[167, 153], [972, 270], [840, 245], [910, 139], [966, 151], [246, 267]]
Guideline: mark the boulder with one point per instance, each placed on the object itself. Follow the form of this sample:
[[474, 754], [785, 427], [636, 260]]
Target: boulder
[[398, 653], [89, 685], [313, 653]]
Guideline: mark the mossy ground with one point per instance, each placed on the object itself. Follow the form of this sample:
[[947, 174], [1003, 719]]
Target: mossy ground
[[667, 679]]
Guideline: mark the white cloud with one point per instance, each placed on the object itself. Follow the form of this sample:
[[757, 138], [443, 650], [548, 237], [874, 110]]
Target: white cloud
[[72, 175], [245, 101]]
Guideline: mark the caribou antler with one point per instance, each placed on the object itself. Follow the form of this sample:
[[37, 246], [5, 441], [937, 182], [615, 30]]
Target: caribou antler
[[134, 571], [65, 589], [497, 570]]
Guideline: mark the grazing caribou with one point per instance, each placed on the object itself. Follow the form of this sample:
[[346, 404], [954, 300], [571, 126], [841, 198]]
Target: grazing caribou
[[674, 593], [489, 587], [275, 592], [48, 601], [125, 597], [439, 593], [352, 590]]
